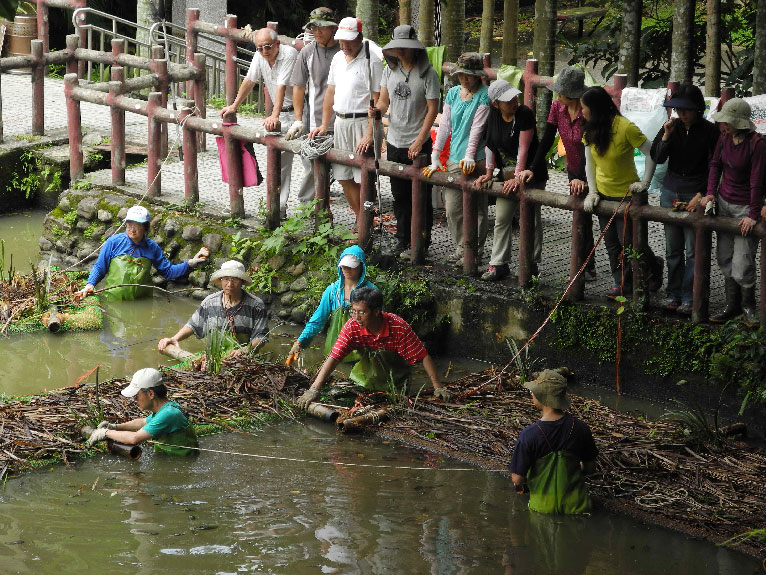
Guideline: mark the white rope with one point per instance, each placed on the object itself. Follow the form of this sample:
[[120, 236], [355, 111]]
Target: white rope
[[316, 147], [298, 460]]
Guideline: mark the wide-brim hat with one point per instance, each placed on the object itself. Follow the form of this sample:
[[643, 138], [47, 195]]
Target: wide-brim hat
[[569, 83], [230, 269], [681, 103], [471, 63], [502, 91], [404, 36], [146, 378], [550, 389], [321, 17], [350, 28], [735, 112]]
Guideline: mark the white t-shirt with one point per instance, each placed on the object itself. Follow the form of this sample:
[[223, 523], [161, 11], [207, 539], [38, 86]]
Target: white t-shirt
[[351, 81], [278, 75]]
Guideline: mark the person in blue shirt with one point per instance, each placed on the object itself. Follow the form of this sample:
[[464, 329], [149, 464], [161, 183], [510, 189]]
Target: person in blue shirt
[[128, 257], [166, 424], [335, 304]]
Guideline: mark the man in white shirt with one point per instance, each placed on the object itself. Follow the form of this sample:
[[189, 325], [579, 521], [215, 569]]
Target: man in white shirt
[[348, 96], [272, 64]]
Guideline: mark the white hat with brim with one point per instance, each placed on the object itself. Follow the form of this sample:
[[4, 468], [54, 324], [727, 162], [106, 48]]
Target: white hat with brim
[[350, 28], [349, 261], [735, 112], [404, 36], [501, 91], [138, 214], [143, 379], [230, 269]]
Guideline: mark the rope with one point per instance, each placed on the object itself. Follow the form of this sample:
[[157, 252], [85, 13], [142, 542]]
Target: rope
[[316, 147], [316, 461]]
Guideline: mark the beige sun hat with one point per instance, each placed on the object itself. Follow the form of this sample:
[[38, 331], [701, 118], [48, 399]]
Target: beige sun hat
[[230, 269], [550, 389], [735, 112]]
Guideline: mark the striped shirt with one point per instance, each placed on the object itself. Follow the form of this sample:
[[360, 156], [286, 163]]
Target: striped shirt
[[395, 335], [249, 317]]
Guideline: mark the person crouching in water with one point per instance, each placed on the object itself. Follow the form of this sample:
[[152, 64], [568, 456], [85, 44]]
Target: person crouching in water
[[554, 453], [166, 423]]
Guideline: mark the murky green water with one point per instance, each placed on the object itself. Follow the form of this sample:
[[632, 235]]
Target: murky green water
[[298, 513]]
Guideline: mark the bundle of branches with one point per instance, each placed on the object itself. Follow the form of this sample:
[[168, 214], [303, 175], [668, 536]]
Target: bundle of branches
[[45, 427], [653, 470]]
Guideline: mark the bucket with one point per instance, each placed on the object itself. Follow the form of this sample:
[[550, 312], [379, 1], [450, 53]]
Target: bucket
[[20, 33]]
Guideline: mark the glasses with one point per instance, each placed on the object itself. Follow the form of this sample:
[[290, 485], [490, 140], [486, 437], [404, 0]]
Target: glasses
[[264, 47], [359, 312]]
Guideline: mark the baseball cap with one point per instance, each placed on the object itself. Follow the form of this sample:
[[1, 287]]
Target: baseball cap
[[143, 379], [349, 29]]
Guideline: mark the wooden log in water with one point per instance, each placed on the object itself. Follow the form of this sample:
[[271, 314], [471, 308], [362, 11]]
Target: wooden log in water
[[176, 352], [115, 447], [361, 421], [323, 412]]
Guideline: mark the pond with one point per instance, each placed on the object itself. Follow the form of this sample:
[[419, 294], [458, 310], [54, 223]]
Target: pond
[[280, 499]]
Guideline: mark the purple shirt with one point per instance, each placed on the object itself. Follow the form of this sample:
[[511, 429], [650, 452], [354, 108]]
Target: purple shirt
[[740, 170], [570, 132]]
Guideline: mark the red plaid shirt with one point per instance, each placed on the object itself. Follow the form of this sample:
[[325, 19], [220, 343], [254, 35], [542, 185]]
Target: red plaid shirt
[[571, 135], [395, 335]]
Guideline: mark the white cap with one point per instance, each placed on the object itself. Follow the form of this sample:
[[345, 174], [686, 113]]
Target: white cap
[[502, 91], [138, 214], [349, 28], [349, 261], [143, 379]]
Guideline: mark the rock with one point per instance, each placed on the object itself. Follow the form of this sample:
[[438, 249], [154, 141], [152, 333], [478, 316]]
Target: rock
[[122, 213], [198, 278], [300, 284], [200, 294], [287, 299], [172, 249], [87, 249], [158, 280], [297, 315], [266, 298], [104, 216], [283, 314], [65, 244], [171, 227], [44, 244], [87, 208], [297, 269], [60, 223], [110, 232], [277, 261], [97, 232], [156, 221], [187, 253], [159, 240], [92, 139], [192, 233], [70, 260], [82, 224], [280, 287], [64, 204], [212, 242]]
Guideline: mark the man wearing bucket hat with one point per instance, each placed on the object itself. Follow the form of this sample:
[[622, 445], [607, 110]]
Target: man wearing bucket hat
[[565, 118], [309, 81], [347, 99], [687, 143], [736, 183], [273, 64], [128, 257], [233, 310], [167, 425], [511, 142], [409, 92], [554, 453], [464, 116]]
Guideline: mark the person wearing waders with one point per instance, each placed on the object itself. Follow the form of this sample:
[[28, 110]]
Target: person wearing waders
[[309, 82], [335, 304], [166, 423], [387, 345], [128, 257], [555, 453]]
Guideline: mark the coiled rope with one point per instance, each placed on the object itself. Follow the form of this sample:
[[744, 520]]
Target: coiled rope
[[315, 147]]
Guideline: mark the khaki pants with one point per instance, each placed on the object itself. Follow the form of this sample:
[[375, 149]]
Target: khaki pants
[[735, 254], [453, 205]]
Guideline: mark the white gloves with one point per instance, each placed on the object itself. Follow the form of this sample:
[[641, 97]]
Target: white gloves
[[309, 396], [106, 425], [436, 164], [468, 165], [295, 131], [84, 292], [591, 201], [638, 187], [295, 350], [444, 394], [199, 258], [97, 435]]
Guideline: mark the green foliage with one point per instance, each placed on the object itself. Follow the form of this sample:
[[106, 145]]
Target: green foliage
[[95, 157], [58, 232], [90, 230], [218, 101], [408, 294], [70, 217], [3, 276], [217, 343], [82, 184], [33, 174]]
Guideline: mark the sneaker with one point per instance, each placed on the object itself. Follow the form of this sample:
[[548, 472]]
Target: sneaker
[[671, 304], [685, 308], [496, 273], [615, 292], [590, 276]]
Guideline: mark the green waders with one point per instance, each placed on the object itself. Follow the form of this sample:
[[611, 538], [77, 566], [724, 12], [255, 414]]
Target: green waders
[[338, 318], [556, 483], [378, 370], [182, 442], [125, 269]]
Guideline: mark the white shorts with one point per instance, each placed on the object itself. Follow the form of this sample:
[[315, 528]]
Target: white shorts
[[348, 133]]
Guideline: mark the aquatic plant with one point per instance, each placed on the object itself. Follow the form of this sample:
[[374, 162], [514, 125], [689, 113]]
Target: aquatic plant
[[218, 342], [11, 271]]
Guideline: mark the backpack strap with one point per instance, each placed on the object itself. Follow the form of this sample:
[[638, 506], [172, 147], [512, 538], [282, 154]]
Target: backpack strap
[[545, 436]]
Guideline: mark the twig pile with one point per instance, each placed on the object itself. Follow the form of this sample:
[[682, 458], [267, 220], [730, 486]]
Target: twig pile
[[18, 297]]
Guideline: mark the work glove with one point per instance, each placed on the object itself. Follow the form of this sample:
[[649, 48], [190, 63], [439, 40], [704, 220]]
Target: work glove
[[444, 394], [84, 292], [97, 435], [199, 258], [295, 131], [468, 165], [106, 425], [638, 187], [591, 201], [295, 353], [436, 164], [309, 396]]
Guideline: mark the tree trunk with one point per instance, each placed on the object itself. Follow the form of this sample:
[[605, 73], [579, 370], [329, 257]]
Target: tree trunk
[[630, 41], [405, 12], [426, 22], [544, 46], [487, 26], [713, 49], [367, 11], [143, 18], [453, 28], [759, 50], [681, 61], [510, 32]]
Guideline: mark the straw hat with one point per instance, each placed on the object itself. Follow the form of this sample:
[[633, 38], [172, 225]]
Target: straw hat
[[230, 269], [737, 113]]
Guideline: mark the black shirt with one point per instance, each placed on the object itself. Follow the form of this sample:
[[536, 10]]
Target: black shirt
[[503, 139]]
